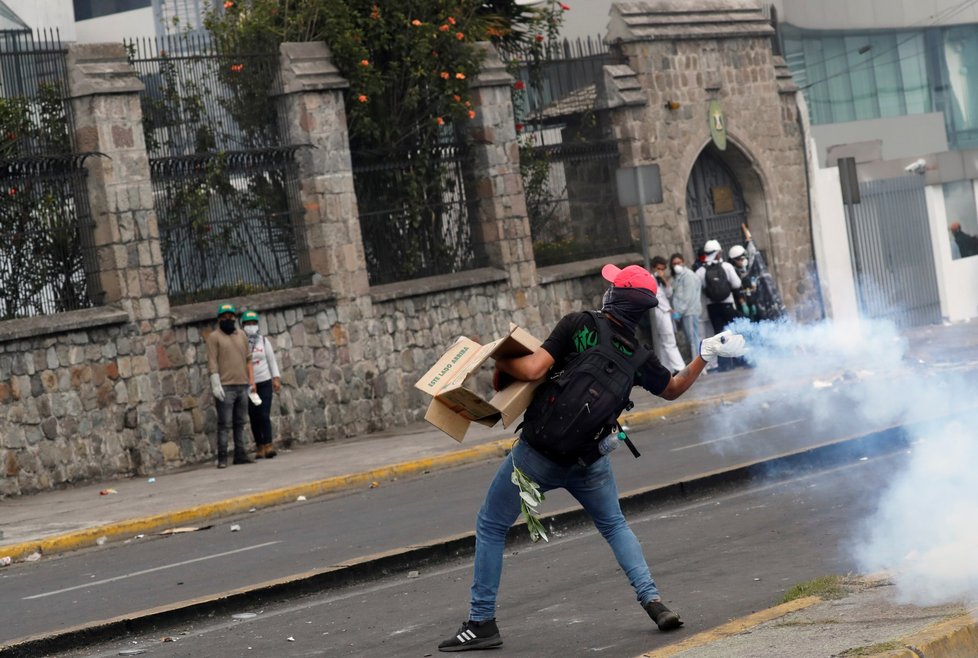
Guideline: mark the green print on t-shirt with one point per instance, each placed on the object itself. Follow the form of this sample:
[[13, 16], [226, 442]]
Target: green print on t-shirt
[[585, 339]]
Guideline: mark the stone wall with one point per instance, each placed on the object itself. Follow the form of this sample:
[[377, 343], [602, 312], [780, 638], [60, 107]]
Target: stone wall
[[95, 398]]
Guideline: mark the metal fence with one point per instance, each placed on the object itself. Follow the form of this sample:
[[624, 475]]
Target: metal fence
[[225, 179], [888, 224], [415, 214], [567, 157], [47, 259]]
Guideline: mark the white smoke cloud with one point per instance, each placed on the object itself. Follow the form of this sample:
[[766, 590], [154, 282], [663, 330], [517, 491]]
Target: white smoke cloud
[[924, 531]]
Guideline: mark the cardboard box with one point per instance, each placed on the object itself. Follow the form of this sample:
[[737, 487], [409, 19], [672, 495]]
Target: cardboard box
[[455, 401]]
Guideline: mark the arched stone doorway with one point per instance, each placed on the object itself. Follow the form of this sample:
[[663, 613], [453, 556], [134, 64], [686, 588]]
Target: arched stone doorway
[[724, 191]]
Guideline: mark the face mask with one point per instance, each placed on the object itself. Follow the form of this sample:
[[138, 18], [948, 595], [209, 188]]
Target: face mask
[[251, 329], [227, 326], [678, 269]]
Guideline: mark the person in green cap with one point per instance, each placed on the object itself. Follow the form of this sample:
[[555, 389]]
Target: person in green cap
[[232, 379], [268, 380]]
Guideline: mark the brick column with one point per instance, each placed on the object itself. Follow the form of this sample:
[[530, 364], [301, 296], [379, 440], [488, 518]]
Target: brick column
[[502, 223], [104, 93], [315, 114]]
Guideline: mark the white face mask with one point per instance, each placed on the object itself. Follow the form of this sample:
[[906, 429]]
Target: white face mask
[[251, 329], [678, 269]]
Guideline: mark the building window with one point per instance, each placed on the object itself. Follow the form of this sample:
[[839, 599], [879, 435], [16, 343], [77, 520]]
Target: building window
[[962, 218], [181, 16], [859, 76], [85, 9], [959, 48]]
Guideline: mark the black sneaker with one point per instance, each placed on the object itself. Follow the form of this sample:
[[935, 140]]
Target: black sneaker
[[473, 635], [664, 618]]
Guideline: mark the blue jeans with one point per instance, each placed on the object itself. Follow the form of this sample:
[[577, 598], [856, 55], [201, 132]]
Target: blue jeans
[[231, 416], [593, 486], [691, 327]]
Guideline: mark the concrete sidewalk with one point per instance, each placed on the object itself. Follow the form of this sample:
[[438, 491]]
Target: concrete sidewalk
[[865, 620], [866, 616]]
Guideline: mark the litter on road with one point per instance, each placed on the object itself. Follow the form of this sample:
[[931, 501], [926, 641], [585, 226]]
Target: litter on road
[[107, 492], [235, 527]]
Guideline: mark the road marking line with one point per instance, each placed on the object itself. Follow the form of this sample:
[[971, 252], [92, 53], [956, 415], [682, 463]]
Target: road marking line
[[734, 436], [146, 571]]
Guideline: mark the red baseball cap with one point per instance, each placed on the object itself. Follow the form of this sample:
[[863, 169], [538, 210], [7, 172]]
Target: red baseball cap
[[633, 276]]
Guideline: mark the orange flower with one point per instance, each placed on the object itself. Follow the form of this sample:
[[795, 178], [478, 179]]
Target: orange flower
[[228, 4], [459, 36], [458, 99], [538, 38], [237, 68], [375, 12], [563, 6], [468, 104], [443, 28], [460, 76], [444, 75], [441, 122], [471, 114], [364, 62], [451, 20], [362, 98], [416, 23]]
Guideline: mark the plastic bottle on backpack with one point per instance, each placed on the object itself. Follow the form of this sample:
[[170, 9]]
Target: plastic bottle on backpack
[[609, 443]]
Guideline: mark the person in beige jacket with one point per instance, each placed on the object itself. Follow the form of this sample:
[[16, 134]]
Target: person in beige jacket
[[232, 380]]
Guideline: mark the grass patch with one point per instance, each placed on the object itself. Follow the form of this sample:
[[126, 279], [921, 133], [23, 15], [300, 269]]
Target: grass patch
[[871, 650], [826, 587]]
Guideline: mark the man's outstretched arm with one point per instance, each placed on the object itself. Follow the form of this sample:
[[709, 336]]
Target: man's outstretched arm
[[682, 380]]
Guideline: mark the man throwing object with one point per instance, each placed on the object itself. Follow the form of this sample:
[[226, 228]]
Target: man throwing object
[[591, 360]]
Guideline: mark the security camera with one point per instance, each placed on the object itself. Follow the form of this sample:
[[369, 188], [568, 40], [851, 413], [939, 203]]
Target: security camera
[[918, 166]]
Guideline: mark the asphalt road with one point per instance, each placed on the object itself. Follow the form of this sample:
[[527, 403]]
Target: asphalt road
[[719, 557], [100, 583]]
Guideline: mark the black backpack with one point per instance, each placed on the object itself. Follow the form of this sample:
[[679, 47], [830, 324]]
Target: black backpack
[[718, 287], [578, 406]]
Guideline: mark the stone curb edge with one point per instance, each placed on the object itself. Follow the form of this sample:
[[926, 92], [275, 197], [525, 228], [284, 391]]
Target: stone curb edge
[[732, 627], [956, 637], [87, 537], [384, 564]]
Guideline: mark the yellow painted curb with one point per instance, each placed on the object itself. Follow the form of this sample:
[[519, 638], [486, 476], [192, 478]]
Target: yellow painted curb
[[952, 638], [733, 627], [88, 536]]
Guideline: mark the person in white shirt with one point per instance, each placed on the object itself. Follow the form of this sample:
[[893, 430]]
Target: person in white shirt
[[268, 380], [664, 331], [719, 279]]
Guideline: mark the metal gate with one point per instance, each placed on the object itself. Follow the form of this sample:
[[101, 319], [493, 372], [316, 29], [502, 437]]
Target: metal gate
[[714, 203], [894, 261]]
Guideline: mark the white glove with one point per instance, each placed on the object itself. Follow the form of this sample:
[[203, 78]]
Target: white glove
[[216, 387], [726, 343]]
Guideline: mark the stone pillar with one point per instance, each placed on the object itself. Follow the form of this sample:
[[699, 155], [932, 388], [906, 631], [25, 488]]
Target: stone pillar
[[315, 114], [104, 92], [502, 223]]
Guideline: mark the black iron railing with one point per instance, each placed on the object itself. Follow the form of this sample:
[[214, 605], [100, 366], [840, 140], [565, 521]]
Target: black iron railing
[[225, 179], [47, 260], [415, 215]]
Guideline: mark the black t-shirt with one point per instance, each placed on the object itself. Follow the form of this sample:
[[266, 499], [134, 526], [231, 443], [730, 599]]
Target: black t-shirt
[[577, 332]]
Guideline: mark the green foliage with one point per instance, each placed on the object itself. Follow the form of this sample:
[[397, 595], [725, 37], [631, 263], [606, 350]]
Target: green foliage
[[409, 66], [40, 245]]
